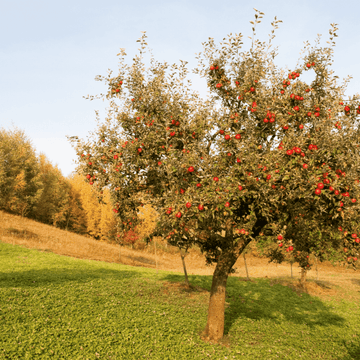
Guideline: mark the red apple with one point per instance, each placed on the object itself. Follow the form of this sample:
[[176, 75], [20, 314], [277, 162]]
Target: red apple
[[305, 166], [308, 65], [317, 192], [188, 205], [355, 258], [201, 207], [221, 132], [159, 163], [296, 108], [227, 137], [178, 215], [191, 169], [216, 178], [268, 177], [169, 211], [357, 240], [281, 244], [227, 204], [240, 187], [237, 136], [353, 201], [238, 160], [291, 248], [198, 185], [353, 236], [88, 176], [320, 186], [301, 126], [279, 237], [289, 152], [337, 192]]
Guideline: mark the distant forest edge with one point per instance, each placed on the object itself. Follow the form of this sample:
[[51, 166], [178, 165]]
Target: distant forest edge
[[31, 186]]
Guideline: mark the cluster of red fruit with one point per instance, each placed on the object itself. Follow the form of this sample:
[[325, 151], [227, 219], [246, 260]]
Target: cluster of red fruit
[[214, 67], [270, 117], [293, 75], [295, 150], [116, 88], [290, 248]]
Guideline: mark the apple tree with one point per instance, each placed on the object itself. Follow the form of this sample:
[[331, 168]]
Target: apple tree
[[244, 162]]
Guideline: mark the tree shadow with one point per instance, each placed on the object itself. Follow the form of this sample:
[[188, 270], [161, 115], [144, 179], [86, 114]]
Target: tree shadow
[[266, 300], [60, 276], [356, 281]]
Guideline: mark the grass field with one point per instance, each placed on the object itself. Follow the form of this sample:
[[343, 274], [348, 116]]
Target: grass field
[[62, 307]]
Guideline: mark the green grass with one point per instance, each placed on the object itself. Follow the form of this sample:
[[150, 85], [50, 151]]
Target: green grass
[[58, 307]]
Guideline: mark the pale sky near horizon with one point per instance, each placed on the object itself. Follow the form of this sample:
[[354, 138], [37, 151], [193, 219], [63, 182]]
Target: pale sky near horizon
[[51, 52]]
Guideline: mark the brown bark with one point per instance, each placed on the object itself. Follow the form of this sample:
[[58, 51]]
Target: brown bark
[[214, 329], [303, 277], [247, 272], [184, 266]]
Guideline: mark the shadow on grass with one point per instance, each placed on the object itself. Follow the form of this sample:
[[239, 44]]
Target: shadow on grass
[[264, 299], [60, 276], [356, 281]]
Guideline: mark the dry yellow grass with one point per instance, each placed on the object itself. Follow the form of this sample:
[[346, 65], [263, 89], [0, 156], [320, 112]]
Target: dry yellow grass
[[31, 234]]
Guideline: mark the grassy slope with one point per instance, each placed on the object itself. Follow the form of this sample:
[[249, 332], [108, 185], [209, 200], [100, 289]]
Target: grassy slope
[[54, 306]]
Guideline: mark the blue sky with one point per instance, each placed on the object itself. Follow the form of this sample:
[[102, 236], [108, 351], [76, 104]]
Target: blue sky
[[51, 52]]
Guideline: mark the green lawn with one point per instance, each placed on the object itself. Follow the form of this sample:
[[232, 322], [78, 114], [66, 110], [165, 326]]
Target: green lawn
[[58, 307]]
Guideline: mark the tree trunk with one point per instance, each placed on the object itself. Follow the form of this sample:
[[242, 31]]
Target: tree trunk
[[247, 272], [214, 329], [156, 262], [303, 277], [184, 266], [317, 273], [291, 269]]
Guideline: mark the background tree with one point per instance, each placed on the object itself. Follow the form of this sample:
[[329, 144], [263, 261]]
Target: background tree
[[20, 181], [248, 157]]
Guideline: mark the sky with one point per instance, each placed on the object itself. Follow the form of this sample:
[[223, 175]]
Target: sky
[[51, 52]]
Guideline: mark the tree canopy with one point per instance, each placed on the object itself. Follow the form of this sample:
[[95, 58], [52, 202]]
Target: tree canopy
[[266, 153]]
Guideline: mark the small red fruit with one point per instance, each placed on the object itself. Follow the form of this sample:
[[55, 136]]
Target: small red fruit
[[301, 126], [353, 201], [227, 204], [279, 237], [240, 187], [198, 185], [237, 136], [216, 178], [227, 137], [317, 192], [281, 244], [201, 207], [191, 169], [289, 152], [188, 205], [178, 215], [320, 186], [221, 132]]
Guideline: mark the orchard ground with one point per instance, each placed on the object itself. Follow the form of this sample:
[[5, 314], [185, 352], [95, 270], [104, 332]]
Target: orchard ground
[[74, 308]]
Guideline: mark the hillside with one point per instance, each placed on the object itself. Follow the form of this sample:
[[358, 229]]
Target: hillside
[[31, 234]]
